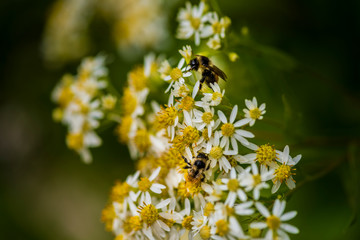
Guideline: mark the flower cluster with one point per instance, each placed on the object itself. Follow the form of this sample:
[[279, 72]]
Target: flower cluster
[[195, 21], [82, 104], [191, 178]]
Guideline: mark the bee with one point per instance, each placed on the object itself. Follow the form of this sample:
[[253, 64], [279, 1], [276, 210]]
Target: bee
[[210, 73], [197, 168]]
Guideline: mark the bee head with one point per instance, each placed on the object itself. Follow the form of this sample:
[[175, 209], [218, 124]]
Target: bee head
[[202, 155], [194, 64]]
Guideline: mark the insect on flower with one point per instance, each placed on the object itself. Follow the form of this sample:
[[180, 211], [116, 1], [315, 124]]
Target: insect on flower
[[197, 168], [210, 73]]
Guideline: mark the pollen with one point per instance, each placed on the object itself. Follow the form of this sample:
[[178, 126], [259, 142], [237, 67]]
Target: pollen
[[216, 152], [107, 216], [205, 232], [207, 117], [166, 117], [144, 184], [187, 103], [137, 78], [273, 222], [233, 185], [119, 192], [175, 74], [255, 113], [123, 129], [265, 154], [222, 227], [191, 135], [283, 172], [149, 214], [119, 237], [257, 179], [209, 209], [186, 223], [142, 140], [182, 190], [216, 96], [135, 223], [75, 141], [129, 102], [205, 134], [227, 129]]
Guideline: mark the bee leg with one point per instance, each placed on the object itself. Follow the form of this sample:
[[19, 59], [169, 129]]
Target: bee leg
[[208, 167], [201, 82], [202, 177], [187, 162], [186, 167]]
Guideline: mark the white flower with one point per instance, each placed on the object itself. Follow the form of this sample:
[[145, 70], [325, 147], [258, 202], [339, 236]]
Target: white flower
[[256, 181], [243, 209], [212, 99], [214, 42], [254, 112], [81, 142], [186, 53], [232, 185], [177, 74], [217, 27], [229, 131], [205, 119], [284, 172], [191, 22], [274, 221]]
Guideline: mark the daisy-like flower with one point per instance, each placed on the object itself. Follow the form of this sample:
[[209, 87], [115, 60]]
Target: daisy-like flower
[[168, 118], [186, 53], [212, 99], [145, 184], [186, 220], [177, 74], [152, 218], [283, 173], [229, 131], [256, 181], [205, 119], [274, 221], [191, 22], [217, 154], [232, 185], [93, 67], [217, 27], [81, 142], [265, 155], [214, 42], [254, 112]]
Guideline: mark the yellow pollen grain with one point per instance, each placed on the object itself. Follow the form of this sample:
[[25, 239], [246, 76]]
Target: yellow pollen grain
[[75, 141], [187, 103], [205, 232], [128, 101], [273, 222], [175, 74], [186, 223], [207, 117], [255, 113], [216, 152], [144, 184], [265, 154], [283, 172], [209, 209], [142, 140], [149, 214], [222, 227], [233, 185], [228, 129], [123, 129]]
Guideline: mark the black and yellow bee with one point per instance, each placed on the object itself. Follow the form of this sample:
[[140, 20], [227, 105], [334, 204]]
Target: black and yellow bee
[[210, 73], [197, 169]]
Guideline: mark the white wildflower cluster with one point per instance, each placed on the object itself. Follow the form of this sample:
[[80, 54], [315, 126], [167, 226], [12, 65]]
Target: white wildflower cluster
[[195, 22], [82, 104], [192, 181]]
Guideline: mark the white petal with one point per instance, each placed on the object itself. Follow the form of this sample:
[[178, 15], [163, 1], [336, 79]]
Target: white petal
[[233, 114], [287, 216], [222, 116], [163, 203], [259, 225], [289, 228], [154, 174], [241, 122], [275, 187], [262, 209], [245, 133]]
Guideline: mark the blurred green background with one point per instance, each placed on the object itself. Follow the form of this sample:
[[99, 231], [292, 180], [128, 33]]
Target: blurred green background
[[300, 57]]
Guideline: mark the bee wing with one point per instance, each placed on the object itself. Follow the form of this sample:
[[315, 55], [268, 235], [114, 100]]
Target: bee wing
[[219, 72]]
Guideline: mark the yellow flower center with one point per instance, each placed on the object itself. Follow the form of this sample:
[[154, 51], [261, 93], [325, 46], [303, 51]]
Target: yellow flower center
[[129, 102], [233, 185], [207, 117], [144, 184], [107, 216], [66, 95], [149, 214], [142, 140], [195, 23], [222, 227], [209, 209], [137, 78], [205, 134], [216, 27], [191, 135], [257, 179], [254, 232], [186, 223], [273, 222], [187, 103], [175, 74], [75, 141], [119, 237], [108, 102], [205, 232], [229, 210], [265, 154], [216, 96], [216, 152], [227, 129], [119, 192], [255, 113], [123, 129], [57, 114], [166, 117], [283, 172], [183, 90], [135, 223]]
